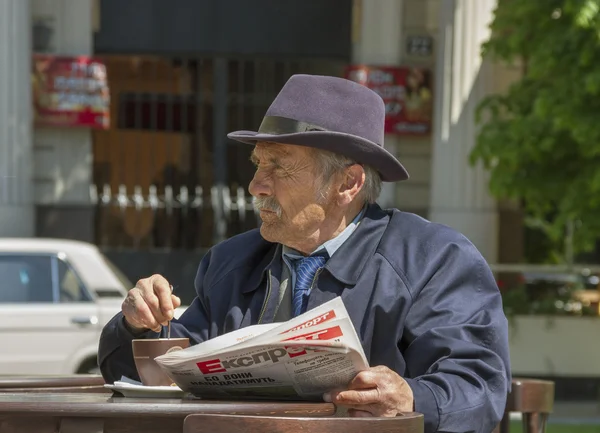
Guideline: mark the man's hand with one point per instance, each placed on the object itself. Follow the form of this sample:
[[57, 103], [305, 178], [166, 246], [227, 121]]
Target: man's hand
[[375, 392], [150, 304]]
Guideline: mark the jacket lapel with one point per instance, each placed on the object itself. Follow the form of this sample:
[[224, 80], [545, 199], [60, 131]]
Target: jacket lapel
[[273, 282], [265, 283], [345, 267]]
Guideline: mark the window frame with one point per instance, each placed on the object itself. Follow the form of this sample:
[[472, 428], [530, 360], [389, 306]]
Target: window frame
[[64, 258]]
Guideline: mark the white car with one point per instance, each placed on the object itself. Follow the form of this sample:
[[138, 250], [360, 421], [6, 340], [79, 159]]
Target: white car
[[55, 297]]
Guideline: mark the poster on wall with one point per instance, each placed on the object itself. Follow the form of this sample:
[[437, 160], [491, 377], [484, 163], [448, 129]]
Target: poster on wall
[[70, 92], [406, 92]]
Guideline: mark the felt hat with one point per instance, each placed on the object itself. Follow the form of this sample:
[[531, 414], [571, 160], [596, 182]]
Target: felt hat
[[329, 113]]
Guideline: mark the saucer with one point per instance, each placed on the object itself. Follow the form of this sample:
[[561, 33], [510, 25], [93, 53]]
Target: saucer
[[141, 391]]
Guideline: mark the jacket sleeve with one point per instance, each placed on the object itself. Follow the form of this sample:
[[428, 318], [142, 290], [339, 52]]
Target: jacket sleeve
[[115, 356], [456, 343]]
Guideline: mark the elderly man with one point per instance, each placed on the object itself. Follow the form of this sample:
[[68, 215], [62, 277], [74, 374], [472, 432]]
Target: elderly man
[[422, 299]]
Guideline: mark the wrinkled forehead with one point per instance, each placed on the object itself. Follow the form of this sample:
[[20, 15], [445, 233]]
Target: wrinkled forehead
[[264, 149]]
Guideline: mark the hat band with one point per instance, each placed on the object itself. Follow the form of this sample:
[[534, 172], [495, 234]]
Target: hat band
[[277, 125]]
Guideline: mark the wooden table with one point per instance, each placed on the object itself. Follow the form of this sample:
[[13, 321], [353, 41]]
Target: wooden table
[[98, 413], [56, 383]]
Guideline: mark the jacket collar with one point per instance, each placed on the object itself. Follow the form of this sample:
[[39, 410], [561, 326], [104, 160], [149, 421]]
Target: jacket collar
[[271, 262], [349, 260]]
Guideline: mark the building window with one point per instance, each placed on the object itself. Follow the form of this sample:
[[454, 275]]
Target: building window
[[157, 112]]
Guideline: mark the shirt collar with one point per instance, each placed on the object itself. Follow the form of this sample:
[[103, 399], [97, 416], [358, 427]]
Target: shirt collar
[[330, 246]]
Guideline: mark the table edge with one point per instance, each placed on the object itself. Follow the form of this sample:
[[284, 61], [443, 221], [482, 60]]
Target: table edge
[[157, 408]]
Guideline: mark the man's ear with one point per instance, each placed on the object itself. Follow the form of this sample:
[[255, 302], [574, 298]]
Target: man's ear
[[353, 181]]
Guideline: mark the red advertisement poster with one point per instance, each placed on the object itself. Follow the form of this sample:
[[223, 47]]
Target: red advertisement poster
[[406, 91], [70, 92]]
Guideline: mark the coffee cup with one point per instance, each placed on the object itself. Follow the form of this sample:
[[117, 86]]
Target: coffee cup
[[144, 352]]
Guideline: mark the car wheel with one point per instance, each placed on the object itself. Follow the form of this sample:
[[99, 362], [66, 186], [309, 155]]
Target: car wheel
[[89, 366], [93, 370]]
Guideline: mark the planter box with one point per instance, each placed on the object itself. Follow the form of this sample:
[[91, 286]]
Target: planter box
[[555, 346]]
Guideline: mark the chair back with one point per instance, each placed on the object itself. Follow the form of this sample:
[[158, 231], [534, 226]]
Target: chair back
[[534, 399], [531, 396]]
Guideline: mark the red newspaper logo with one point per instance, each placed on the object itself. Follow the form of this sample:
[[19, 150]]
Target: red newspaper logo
[[212, 366], [324, 334], [325, 317], [222, 366]]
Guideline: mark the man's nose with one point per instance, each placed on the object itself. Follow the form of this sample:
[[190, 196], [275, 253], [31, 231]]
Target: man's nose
[[260, 185]]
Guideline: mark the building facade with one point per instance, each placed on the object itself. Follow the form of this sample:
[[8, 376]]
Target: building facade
[[163, 176]]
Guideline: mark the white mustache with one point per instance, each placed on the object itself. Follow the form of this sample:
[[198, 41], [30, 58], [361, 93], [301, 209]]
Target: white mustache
[[266, 203]]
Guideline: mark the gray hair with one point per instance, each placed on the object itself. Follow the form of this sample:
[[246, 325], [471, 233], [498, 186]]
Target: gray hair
[[331, 164]]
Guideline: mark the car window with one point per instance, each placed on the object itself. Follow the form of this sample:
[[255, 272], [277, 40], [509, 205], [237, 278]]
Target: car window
[[71, 288], [118, 273], [25, 278]]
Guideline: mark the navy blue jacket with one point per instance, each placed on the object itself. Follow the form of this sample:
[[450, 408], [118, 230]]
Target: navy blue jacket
[[421, 297]]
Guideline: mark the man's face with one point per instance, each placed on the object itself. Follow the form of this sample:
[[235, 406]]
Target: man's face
[[287, 192]]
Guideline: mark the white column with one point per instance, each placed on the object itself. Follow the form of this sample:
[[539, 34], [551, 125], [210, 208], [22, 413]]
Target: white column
[[378, 41], [64, 161], [459, 192], [16, 192]]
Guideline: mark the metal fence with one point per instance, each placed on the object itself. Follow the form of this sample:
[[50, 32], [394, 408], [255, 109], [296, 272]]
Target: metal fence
[[165, 175], [174, 208]]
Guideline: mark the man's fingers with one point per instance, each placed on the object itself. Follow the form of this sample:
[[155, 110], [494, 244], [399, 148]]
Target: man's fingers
[[150, 303], [147, 317], [357, 397], [153, 304], [147, 290], [374, 392], [137, 313], [365, 379], [162, 290], [329, 396]]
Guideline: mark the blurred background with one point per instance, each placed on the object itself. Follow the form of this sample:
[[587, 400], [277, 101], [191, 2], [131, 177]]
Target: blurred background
[[114, 160]]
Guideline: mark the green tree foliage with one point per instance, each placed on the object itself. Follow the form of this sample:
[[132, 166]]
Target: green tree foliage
[[541, 139]]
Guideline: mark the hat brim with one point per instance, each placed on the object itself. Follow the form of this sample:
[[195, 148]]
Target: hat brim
[[357, 148]]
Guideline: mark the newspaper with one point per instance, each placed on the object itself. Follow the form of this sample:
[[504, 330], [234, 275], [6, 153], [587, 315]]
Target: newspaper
[[302, 358]]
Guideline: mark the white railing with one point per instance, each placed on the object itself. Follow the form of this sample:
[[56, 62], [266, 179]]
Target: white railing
[[581, 269], [220, 198]]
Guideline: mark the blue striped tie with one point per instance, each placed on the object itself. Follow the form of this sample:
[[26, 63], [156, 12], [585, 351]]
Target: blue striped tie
[[306, 269]]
